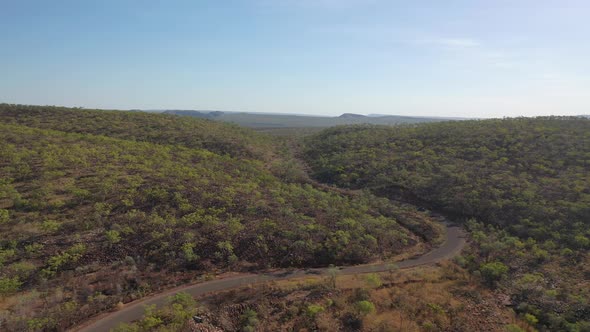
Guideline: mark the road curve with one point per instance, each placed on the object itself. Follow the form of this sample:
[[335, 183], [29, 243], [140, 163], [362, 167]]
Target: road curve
[[454, 242]]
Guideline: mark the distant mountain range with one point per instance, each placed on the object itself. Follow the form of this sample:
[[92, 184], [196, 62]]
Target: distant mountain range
[[352, 116], [269, 120], [197, 114]]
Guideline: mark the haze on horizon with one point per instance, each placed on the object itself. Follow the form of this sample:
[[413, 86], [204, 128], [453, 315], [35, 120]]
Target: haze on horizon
[[328, 57]]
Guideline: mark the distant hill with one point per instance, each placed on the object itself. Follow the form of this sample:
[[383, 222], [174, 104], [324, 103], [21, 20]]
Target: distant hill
[[273, 120], [214, 136], [198, 114], [352, 115]]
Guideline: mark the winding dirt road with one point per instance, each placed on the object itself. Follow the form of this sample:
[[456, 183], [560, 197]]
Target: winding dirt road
[[452, 245]]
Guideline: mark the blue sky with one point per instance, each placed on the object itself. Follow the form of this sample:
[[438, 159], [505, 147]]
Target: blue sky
[[444, 58]]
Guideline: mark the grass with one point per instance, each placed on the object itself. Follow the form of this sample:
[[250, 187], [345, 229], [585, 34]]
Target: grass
[[419, 299]]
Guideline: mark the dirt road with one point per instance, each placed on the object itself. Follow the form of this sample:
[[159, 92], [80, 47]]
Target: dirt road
[[453, 244]]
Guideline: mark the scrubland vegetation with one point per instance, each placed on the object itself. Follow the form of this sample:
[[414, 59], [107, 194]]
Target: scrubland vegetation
[[441, 298], [99, 208], [524, 184], [220, 138]]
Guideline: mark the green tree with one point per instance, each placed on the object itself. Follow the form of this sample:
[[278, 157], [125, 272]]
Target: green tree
[[249, 320], [373, 280], [4, 216], [188, 252], [184, 299], [513, 328], [531, 319], [50, 226], [113, 236], [581, 241], [364, 307], [493, 272], [9, 285], [313, 310]]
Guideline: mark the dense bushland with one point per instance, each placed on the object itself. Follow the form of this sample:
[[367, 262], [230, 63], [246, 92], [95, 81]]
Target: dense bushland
[[88, 220], [220, 138], [530, 177]]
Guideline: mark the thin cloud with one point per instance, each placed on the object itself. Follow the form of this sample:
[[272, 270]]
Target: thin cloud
[[454, 43], [317, 4], [474, 51], [457, 42]]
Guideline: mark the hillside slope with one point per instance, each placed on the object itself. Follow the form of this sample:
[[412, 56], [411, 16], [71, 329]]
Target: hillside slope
[[217, 137], [528, 179], [523, 174], [90, 220]]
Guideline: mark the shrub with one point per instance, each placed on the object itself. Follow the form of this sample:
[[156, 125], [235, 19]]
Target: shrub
[[22, 269], [40, 323], [72, 255], [365, 307], [188, 252], [513, 328], [580, 241], [184, 299], [531, 319], [373, 280], [33, 248], [151, 322], [493, 272], [314, 309], [5, 255], [249, 320], [113, 236], [4, 216], [9, 285], [50, 226]]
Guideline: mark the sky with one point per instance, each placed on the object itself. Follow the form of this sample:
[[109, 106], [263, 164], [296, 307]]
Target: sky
[[324, 57]]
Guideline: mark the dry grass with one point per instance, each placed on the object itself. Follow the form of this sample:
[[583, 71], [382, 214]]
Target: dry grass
[[429, 298]]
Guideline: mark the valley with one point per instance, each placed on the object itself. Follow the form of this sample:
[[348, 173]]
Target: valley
[[105, 212]]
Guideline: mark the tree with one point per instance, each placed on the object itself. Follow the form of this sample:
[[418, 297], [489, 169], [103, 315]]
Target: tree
[[249, 320], [531, 319], [513, 328], [581, 241], [4, 216], [364, 307], [373, 280], [182, 307], [9, 285], [332, 275], [314, 309], [113, 236], [50, 226], [182, 298], [188, 252], [493, 272]]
